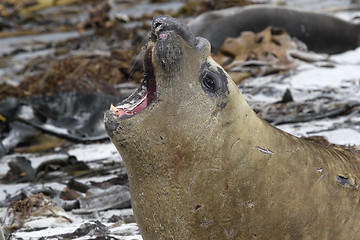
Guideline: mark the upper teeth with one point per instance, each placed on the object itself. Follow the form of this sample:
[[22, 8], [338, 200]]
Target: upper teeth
[[132, 104]]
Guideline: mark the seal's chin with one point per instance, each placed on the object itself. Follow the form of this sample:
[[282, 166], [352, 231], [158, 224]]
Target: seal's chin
[[143, 96]]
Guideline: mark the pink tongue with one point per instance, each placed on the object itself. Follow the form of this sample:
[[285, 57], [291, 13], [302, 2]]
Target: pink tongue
[[143, 104]]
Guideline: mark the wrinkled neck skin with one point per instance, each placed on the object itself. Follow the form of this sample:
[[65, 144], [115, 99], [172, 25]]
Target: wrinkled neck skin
[[204, 167]]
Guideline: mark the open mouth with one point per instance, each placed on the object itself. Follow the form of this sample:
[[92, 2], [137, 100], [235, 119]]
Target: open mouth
[[144, 95]]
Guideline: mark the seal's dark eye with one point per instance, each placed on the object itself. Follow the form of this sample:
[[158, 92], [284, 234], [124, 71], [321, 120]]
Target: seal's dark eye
[[213, 81], [209, 83]]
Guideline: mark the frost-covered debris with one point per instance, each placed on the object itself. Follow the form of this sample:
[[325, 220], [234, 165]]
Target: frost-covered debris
[[341, 131], [94, 196], [325, 101], [84, 228], [32, 211]]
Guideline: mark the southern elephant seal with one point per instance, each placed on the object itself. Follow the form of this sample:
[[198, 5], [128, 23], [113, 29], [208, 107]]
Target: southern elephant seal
[[203, 165], [320, 32]]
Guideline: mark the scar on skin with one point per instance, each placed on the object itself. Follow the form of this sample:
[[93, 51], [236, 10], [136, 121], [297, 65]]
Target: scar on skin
[[345, 181], [294, 150], [319, 179], [206, 223], [197, 207], [265, 151]]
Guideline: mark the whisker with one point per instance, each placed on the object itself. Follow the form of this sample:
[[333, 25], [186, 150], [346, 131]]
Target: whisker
[[137, 59]]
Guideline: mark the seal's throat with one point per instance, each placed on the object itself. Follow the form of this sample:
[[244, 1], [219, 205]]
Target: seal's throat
[[144, 95]]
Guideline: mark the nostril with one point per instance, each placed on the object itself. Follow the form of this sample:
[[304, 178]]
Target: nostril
[[157, 27], [158, 24]]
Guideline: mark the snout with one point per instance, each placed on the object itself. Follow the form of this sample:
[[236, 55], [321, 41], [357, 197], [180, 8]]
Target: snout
[[162, 23], [166, 23]]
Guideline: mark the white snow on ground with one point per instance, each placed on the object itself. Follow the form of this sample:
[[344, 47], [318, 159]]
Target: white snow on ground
[[96, 151], [341, 76], [349, 57], [342, 136]]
